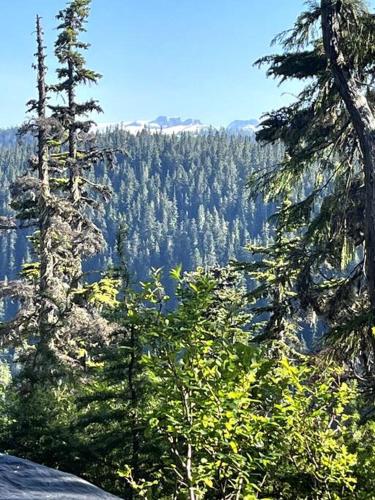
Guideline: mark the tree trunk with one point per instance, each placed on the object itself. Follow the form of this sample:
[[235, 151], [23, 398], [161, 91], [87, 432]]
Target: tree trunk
[[189, 451], [52, 290], [363, 121], [46, 257], [42, 101], [134, 408], [74, 171]]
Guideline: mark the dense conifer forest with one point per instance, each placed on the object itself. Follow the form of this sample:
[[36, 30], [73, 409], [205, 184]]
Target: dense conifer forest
[[156, 289], [181, 199]]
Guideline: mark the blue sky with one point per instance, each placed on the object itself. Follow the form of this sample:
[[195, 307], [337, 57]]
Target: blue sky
[[188, 58]]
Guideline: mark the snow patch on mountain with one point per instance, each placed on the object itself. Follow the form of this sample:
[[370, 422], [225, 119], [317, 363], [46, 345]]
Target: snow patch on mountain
[[162, 124], [243, 127], [176, 125]]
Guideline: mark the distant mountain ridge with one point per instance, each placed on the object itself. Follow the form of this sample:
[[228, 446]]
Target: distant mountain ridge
[[176, 125], [244, 127], [162, 124]]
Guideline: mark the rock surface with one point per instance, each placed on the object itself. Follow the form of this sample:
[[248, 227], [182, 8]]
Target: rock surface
[[21, 479]]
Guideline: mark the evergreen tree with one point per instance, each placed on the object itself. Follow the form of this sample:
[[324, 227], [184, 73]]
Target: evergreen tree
[[338, 36], [58, 312], [320, 259], [81, 155], [170, 233]]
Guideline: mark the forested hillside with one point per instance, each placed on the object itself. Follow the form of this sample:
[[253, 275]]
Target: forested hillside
[[183, 199], [194, 381]]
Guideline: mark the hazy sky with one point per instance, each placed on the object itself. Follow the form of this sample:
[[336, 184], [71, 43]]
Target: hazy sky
[[188, 58]]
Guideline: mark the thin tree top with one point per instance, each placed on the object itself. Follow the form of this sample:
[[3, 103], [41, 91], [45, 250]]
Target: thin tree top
[[68, 46]]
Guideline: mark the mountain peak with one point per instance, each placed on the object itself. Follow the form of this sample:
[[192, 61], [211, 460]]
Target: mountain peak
[[176, 125], [163, 124], [247, 127], [175, 121]]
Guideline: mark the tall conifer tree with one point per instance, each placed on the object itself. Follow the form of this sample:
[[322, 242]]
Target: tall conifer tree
[[81, 155], [322, 257], [59, 310]]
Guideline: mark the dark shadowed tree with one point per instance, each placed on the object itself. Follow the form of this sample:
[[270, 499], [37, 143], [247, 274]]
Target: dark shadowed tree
[[321, 263]]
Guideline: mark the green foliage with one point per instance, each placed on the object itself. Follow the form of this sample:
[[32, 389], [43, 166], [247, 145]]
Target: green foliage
[[314, 267], [5, 380], [180, 398], [61, 208], [233, 421], [59, 183], [182, 404], [38, 424], [102, 293], [183, 200], [68, 50], [31, 271]]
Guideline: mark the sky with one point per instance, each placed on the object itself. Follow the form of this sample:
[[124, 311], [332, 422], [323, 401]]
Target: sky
[[188, 58]]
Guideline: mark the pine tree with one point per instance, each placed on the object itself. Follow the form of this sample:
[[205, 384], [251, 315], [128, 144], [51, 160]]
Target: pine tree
[[29, 200], [81, 155], [337, 35], [321, 258], [59, 312], [176, 202]]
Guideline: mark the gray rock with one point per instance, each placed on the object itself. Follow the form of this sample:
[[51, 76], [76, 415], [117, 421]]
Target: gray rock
[[21, 479]]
